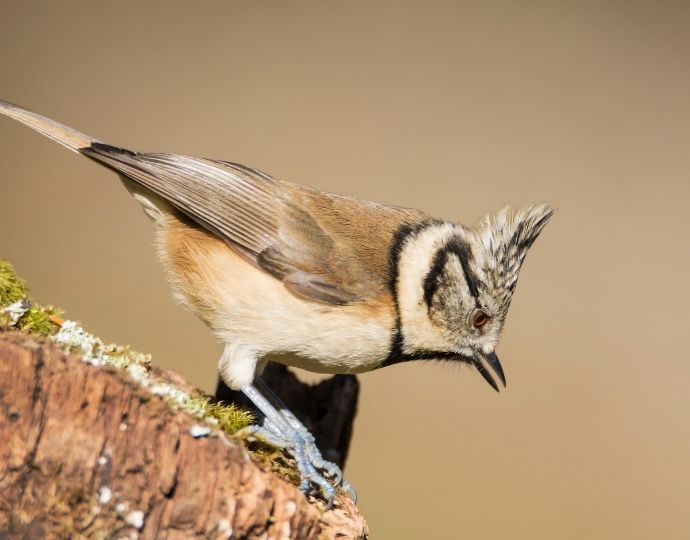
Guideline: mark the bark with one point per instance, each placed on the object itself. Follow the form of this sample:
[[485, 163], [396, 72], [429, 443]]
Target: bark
[[88, 453]]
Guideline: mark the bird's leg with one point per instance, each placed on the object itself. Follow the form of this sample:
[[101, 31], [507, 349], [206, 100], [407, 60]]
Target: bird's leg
[[279, 431], [238, 366], [312, 450]]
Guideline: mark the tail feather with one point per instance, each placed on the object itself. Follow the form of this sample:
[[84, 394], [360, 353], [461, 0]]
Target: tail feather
[[67, 137]]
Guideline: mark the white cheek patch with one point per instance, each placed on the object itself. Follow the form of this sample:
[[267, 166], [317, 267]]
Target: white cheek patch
[[413, 266]]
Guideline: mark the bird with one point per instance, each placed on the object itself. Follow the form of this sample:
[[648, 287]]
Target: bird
[[340, 284]]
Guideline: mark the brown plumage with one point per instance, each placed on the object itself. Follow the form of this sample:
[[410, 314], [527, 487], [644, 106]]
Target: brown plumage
[[324, 247]]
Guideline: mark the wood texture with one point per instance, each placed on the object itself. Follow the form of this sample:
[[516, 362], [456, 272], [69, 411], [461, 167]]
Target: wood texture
[[87, 453]]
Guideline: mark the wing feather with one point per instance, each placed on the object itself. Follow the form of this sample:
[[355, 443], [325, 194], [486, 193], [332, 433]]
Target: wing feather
[[274, 223]]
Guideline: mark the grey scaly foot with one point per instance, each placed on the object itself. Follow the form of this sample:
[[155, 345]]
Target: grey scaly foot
[[330, 468], [282, 431], [308, 472]]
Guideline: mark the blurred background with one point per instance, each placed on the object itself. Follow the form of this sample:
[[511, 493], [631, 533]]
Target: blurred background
[[454, 108]]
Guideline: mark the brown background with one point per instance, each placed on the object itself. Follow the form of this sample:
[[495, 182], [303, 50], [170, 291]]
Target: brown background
[[452, 108]]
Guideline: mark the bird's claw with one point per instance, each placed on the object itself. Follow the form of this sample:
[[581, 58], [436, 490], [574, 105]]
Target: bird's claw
[[311, 466], [283, 429]]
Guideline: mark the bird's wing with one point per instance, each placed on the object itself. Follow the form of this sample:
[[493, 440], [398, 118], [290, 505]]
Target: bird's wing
[[324, 248]]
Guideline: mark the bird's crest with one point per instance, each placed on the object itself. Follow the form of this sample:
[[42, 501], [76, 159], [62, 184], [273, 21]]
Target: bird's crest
[[506, 236]]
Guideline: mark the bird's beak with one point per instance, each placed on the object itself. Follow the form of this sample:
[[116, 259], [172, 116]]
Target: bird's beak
[[488, 365]]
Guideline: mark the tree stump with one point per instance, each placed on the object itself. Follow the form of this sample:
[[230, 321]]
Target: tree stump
[[87, 452]]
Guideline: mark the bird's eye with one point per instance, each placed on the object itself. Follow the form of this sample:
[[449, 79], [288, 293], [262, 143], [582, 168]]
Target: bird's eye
[[480, 319]]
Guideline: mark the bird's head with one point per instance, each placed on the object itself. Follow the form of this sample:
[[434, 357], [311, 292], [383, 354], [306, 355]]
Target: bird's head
[[454, 285]]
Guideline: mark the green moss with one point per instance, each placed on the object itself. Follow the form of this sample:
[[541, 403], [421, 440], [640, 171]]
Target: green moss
[[273, 458], [44, 320], [285, 468], [12, 288], [230, 417]]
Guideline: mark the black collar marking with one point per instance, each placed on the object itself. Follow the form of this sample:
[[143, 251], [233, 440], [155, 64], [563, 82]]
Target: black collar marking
[[454, 246], [405, 231], [396, 354]]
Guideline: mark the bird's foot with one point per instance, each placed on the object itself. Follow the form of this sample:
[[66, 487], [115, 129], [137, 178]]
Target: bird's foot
[[316, 473], [284, 430], [317, 460]]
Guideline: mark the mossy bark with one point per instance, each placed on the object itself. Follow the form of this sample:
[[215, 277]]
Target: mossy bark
[[87, 453]]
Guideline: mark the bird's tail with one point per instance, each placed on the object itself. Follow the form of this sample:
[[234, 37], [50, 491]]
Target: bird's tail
[[67, 137]]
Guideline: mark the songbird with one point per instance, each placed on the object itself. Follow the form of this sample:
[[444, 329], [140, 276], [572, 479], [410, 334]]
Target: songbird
[[344, 285]]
